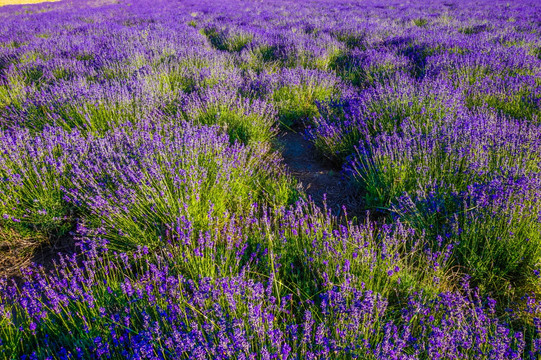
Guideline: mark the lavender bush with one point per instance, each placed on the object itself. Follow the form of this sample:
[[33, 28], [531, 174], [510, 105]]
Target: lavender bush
[[143, 135]]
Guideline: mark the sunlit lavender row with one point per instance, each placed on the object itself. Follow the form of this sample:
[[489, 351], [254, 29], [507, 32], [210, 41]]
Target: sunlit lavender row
[[147, 211]]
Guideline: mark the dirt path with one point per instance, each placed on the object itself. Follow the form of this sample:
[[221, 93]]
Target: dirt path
[[316, 176]]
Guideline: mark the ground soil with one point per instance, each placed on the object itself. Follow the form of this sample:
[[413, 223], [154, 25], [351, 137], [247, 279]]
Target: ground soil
[[18, 252], [317, 177]]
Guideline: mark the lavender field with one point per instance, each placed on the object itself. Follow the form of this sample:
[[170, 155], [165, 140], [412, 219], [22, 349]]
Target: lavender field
[[278, 179]]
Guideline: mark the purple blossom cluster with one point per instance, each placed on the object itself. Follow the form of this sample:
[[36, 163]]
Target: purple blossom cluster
[[139, 305], [133, 179], [143, 133]]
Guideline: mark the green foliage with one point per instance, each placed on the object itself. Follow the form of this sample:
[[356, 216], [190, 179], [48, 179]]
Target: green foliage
[[474, 29], [298, 103], [244, 120], [13, 91], [362, 76], [522, 104], [426, 182], [421, 22], [32, 200], [383, 111], [500, 253], [268, 58], [351, 39], [227, 41], [95, 117], [84, 57]]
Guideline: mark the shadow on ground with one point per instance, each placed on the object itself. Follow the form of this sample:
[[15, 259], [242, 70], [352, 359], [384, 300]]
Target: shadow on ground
[[317, 178]]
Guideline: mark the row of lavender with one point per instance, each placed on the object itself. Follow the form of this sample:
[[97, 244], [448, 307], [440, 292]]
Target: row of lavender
[[143, 132]]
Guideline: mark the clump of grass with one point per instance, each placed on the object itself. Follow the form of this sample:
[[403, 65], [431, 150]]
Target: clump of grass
[[536, 51], [521, 105], [33, 75], [29, 57], [474, 29], [227, 41], [44, 35], [268, 57], [351, 38], [84, 57], [322, 59], [62, 74], [420, 22], [365, 69], [298, 93], [244, 119], [17, 249], [173, 80], [14, 44], [30, 71]]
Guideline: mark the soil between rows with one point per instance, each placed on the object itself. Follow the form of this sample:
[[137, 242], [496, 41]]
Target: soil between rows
[[320, 180]]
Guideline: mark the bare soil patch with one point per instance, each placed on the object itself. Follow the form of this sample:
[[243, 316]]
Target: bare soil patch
[[18, 252], [319, 179]]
